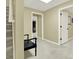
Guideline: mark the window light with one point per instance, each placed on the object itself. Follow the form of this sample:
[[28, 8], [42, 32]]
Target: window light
[[46, 1]]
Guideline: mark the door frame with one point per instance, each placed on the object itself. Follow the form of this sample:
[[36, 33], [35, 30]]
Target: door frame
[[41, 22], [59, 20]]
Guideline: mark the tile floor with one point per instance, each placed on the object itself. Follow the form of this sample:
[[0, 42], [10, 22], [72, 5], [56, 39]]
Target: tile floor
[[48, 50]]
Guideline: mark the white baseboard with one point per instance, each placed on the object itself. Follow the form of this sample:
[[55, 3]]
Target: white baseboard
[[51, 42], [71, 38]]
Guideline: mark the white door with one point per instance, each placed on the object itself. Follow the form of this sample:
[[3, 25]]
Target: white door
[[63, 27], [34, 26]]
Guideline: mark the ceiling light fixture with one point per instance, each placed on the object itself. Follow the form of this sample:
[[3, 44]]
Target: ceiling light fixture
[[46, 1]]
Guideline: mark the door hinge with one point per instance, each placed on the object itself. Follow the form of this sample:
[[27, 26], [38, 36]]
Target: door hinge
[[60, 14], [60, 38], [60, 26]]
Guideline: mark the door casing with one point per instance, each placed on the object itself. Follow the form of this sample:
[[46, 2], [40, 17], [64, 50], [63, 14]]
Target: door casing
[[41, 22], [63, 27], [59, 11]]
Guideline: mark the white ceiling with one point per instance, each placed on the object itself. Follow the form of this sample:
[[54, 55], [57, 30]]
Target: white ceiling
[[70, 10], [37, 4]]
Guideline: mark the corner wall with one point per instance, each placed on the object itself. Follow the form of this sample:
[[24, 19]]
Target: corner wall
[[51, 22]]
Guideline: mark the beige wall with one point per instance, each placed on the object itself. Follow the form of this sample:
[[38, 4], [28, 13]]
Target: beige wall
[[51, 22], [27, 20], [19, 29]]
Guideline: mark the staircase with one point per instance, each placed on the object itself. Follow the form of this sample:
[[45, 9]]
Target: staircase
[[9, 40]]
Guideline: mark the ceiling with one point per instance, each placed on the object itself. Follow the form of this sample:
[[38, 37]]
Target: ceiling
[[70, 10], [37, 4]]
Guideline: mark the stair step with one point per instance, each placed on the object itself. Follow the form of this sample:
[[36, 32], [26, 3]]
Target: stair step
[[9, 52], [9, 43], [8, 34], [9, 48], [9, 30], [9, 38], [8, 27], [9, 24]]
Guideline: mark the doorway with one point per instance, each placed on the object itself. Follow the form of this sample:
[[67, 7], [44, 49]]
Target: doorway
[[37, 25], [65, 24]]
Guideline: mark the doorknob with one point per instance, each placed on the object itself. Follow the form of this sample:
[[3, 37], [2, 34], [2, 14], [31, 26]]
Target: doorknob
[[60, 26]]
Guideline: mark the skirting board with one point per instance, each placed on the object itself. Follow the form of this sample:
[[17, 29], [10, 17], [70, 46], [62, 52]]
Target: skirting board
[[71, 38], [49, 41]]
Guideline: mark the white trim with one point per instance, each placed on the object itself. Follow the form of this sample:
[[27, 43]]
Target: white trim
[[13, 34], [59, 20], [42, 22], [59, 27], [37, 13], [42, 27], [66, 7], [51, 42]]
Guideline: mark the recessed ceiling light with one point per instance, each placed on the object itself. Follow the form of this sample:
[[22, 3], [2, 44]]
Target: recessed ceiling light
[[46, 1]]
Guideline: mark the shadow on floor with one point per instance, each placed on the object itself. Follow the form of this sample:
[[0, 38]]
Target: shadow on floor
[[27, 54]]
